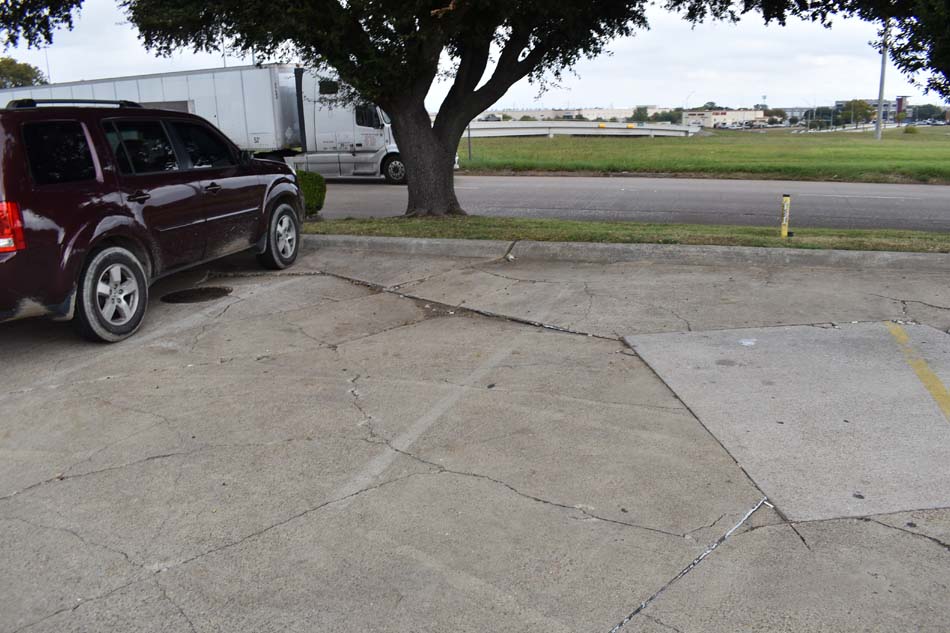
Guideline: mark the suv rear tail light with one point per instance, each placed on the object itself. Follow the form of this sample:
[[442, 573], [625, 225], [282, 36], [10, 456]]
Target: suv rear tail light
[[11, 228]]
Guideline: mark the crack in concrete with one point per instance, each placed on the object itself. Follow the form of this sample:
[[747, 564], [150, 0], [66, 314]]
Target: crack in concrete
[[177, 606], [470, 310], [161, 526], [799, 535], [161, 420], [76, 535], [932, 539], [689, 327], [706, 527], [416, 282], [194, 451], [97, 472], [696, 561], [81, 602], [659, 622], [355, 339], [590, 300], [289, 519], [376, 438], [515, 279], [904, 303]]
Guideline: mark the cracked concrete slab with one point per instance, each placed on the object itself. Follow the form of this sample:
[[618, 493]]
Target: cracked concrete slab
[[628, 298], [569, 419], [141, 607], [433, 553], [829, 422], [852, 576], [84, 568], [311, 453]]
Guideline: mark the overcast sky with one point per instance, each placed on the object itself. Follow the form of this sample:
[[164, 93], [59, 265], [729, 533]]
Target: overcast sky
[[669, 65]]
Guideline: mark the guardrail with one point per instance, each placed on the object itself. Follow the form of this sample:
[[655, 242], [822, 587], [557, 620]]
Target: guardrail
[[484, 129]]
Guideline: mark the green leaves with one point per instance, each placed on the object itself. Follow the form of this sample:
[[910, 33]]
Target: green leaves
[[34, 20], [390, 50], [14, 74]]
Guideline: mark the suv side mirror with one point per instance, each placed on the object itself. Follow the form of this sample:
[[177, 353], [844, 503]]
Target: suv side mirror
[[246, 157]]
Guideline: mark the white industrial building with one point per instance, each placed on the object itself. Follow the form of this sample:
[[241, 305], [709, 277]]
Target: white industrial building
[[890, 107], [723, 118], [570, 114]]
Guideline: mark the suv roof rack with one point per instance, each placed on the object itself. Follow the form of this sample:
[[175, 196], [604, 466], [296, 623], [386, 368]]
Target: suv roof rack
[[17, 104]]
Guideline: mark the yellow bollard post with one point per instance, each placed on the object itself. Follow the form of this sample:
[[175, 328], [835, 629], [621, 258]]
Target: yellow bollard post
[[786, 212]]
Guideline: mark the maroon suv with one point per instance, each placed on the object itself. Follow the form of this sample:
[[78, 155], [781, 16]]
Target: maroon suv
[[98, 201]]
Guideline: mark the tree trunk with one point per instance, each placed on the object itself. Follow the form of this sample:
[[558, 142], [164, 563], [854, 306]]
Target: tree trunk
[[429, 161]]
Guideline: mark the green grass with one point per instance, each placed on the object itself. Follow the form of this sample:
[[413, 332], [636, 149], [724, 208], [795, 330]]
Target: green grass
[[773, 154], [509, 229]]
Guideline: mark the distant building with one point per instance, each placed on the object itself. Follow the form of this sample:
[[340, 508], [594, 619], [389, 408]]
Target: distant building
[[797, 112], [724, 118], [890, 108], [570, 114]]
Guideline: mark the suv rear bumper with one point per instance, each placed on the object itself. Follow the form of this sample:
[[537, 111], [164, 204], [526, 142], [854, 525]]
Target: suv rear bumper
[[19, 300]]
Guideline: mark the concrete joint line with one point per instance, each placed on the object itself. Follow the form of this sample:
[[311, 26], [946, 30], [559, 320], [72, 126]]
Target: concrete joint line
[[920, 535], [438, 469], [696, 561], [393, 290], [423, 423]]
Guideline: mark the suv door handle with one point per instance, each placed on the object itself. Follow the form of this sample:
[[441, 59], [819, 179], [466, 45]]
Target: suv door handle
[[213, 188], [138, 196]]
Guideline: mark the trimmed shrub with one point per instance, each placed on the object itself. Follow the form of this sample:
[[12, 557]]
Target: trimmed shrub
[[314, 189], [911, 129]]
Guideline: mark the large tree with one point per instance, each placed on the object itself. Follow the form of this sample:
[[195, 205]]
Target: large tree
[[391, 51], [929, 111], [857, 111], [14, 74]]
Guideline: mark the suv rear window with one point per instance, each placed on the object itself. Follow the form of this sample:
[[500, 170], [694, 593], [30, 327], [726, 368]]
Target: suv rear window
[[142, 147], [205, 149], [58, 152]]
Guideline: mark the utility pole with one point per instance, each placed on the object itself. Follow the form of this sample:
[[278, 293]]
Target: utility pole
[[879, 127], [49, 76]]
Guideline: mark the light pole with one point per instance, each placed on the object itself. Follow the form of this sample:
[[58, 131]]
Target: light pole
[[685, 105], [879, 126]]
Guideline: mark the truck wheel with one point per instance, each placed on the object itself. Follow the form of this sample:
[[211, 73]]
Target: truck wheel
[[283, 238], [112, 296], [394, 170]]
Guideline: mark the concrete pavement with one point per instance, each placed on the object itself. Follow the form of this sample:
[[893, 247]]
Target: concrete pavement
[[312, 453], [679, 200]]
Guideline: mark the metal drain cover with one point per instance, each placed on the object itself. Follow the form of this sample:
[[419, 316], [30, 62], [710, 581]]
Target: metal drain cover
[[197, 295]]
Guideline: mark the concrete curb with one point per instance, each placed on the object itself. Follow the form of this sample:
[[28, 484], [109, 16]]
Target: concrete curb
[[488, 249], [598, 253]]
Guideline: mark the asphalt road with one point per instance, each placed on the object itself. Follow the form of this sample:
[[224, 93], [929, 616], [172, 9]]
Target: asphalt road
[[682, 200]]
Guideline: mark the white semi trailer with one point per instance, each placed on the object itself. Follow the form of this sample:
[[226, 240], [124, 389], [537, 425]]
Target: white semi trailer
[[271, 109]]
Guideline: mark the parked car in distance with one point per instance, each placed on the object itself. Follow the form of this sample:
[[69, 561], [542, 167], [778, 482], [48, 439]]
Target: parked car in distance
[[99, 200]]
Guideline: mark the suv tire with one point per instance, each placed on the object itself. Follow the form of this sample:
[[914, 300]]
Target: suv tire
[[112, 296], [283, 238], [394, 170]]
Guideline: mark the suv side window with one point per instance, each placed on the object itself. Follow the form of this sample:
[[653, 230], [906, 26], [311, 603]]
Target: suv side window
[[366, 116], [205, 149], [58, 152], [142, 147]]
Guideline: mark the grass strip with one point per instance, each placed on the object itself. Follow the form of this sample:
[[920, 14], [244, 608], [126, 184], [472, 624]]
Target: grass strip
[[545, 230]]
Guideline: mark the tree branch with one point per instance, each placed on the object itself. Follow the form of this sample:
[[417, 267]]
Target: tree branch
[[511, 68]]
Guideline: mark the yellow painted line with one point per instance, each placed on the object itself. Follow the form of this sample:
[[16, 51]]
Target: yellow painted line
[[930, 380]]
